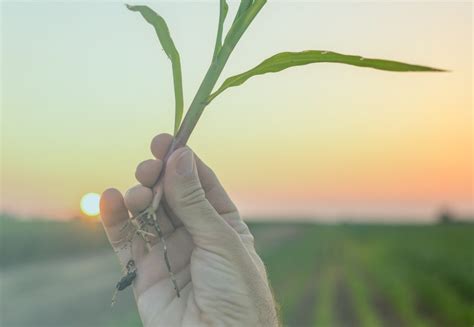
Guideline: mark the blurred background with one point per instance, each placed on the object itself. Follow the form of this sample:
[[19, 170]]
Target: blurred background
[[356, 183]]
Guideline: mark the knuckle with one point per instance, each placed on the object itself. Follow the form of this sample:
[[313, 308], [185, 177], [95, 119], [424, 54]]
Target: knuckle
[[191, 196]]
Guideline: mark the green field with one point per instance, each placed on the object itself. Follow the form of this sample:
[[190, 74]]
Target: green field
[[62, 274]]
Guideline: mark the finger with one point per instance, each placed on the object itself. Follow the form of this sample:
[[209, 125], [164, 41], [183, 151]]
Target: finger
[[115, 220], [213, 189], [218, 197], [147, 172], [159, 148], [138, 198], [112, 208], [220, 200], [186, 198], [160, 145], [215, 193]]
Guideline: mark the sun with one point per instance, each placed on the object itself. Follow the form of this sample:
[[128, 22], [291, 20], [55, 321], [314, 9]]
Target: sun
[[90, 204]]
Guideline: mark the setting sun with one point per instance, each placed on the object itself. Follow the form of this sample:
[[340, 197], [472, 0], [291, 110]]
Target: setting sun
[[90, 204]]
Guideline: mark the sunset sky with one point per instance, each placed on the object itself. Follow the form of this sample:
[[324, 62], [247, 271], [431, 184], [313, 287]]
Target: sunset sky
[[86, 85]]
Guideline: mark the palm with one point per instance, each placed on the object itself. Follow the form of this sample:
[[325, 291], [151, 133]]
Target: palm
[[197, 271]]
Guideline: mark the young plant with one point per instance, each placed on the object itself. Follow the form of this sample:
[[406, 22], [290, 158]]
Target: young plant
[[224, 45]]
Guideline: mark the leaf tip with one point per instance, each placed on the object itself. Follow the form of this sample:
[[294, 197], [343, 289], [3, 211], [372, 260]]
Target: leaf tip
[[435, 70], [131, 7]]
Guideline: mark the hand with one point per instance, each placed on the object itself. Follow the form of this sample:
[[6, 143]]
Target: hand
[[221, 278]]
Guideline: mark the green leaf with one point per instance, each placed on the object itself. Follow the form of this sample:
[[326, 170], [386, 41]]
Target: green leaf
[[223, 9], [244, 5], [163, 33], [285, 60]]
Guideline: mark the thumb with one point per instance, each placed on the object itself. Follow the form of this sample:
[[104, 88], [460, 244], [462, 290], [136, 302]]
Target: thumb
[[186, 198]]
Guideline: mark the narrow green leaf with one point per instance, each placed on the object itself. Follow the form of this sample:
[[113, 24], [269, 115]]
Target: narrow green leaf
[[244, 5], [163, 33], [223, 9], [285, 60]]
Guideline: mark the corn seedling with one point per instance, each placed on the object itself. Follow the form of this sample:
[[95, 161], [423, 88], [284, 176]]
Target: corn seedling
[[224, 45]]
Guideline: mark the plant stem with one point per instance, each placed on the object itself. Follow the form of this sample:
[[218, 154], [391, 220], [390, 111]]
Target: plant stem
[[200, 101]]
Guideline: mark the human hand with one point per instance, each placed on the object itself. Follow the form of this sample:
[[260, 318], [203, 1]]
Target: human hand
[[221, 278]]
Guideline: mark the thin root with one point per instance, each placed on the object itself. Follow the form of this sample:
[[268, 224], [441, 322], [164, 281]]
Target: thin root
[[165, 253], [139, 221]]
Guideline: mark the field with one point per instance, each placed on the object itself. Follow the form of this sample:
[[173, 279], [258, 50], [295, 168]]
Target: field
[[62, 274]]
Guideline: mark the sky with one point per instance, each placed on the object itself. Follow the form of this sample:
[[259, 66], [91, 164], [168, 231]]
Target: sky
[[86, 86]]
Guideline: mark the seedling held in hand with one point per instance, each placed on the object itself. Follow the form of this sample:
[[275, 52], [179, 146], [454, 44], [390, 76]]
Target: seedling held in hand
[[224, 45]]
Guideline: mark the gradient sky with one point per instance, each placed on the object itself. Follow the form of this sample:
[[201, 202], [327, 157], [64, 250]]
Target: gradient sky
[[85, 86]]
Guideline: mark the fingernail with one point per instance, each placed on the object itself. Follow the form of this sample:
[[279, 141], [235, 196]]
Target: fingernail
[[184, 165]]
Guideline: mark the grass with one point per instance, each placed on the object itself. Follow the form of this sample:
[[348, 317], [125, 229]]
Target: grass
[[391, 275], [323, 313], [39, 240], [368, 275]]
